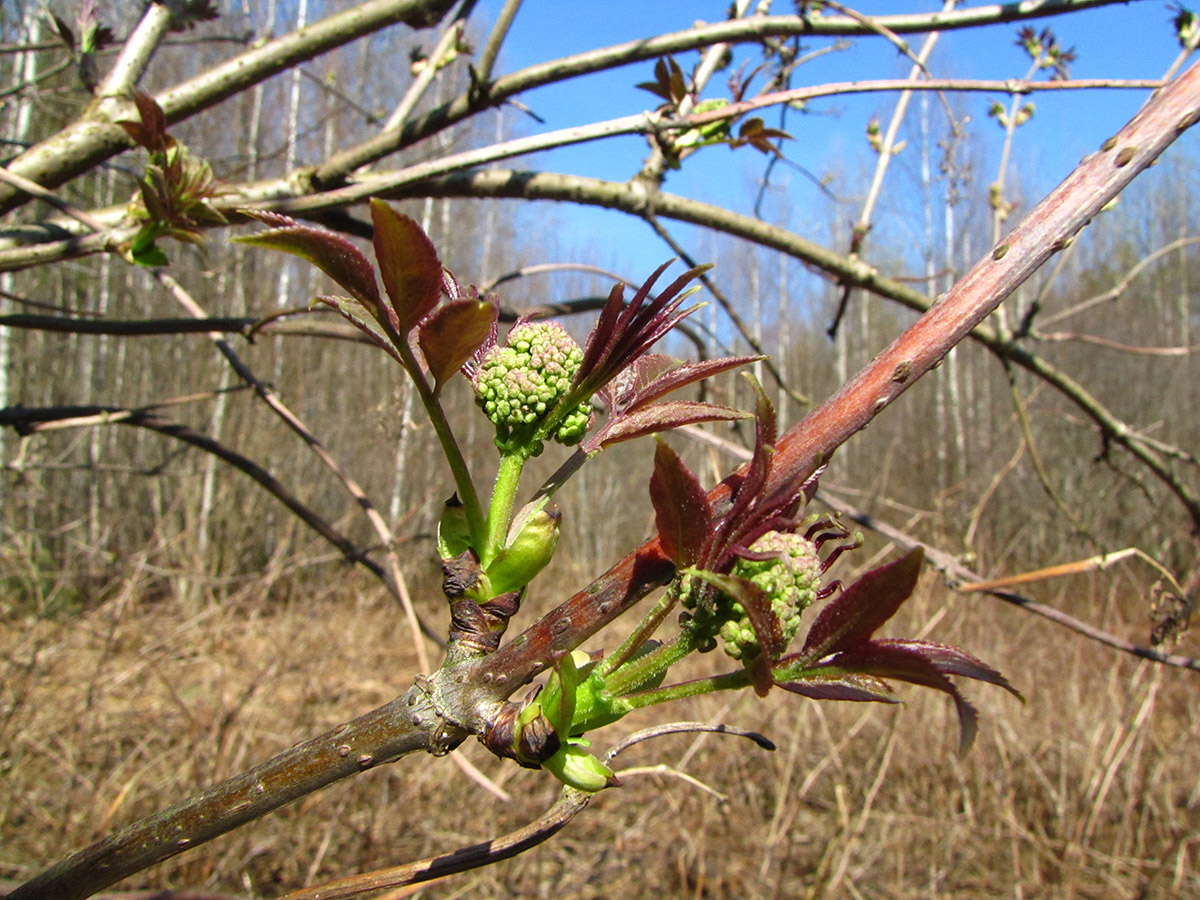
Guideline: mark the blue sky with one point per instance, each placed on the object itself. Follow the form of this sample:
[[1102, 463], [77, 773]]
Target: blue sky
[[1133, 40]]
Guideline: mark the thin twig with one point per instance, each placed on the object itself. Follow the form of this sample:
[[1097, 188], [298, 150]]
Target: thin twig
[[491, 48], [446, 45], [28, 420], [885, 153], [569, 805]]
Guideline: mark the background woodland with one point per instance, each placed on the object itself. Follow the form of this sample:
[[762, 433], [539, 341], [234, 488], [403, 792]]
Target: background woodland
[[164, 622]]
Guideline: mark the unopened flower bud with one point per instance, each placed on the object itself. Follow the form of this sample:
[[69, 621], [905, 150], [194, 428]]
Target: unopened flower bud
[[453, 532], [530, 548], [575, 767]]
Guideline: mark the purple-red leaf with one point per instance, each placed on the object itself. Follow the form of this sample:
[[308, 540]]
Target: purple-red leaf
[[624, 333], [685, 374], [668, 81], [151, 131], [952, 661], [766, 431], [844, 686], [331, 253], [451, 335], [681, 509], [408, 265], [748, 484], [627, 385], [855, 614], [660, 417], [906, 664], [358, 313]]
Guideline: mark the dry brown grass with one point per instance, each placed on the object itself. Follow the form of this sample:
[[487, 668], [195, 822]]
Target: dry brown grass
[[1090, 790]]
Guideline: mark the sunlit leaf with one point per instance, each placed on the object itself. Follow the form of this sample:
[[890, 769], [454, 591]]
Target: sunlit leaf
[[453, 333], [408, 265], [855, 614], [906, 664], [659, 417], [681, 509], [626, 332], [625, 387], [952, 661], [333, 254], [685, 374]]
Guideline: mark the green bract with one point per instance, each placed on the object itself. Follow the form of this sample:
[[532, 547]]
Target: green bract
[[790, 578], [519, 384]]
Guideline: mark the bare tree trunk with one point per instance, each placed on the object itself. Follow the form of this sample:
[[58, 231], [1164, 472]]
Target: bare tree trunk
[[25, 67]]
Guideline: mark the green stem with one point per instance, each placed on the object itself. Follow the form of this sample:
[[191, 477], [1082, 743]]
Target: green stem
[[645, 629], [508, 479], [445, 435], [730, 681], [634, 674]]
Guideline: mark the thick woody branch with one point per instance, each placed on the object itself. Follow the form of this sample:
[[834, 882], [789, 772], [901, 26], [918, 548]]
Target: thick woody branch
[[1051, 225], [94, 138], [28, 244], [1049, 228], [408, 724]]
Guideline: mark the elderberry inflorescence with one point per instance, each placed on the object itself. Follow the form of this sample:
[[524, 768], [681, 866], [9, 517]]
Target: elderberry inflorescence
[[519, 384], [791, 579]]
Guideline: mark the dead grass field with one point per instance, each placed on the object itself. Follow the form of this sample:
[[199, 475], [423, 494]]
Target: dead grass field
[[1089, 790]]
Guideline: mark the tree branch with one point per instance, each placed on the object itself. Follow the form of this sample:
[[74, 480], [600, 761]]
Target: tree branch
[[736, 31], [95, 138], [30, 420], [407, 724], [1048, 228], [25, 245]]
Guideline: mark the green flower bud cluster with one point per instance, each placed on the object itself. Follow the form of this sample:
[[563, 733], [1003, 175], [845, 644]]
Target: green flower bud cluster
[[519, 383], [790, 578]]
